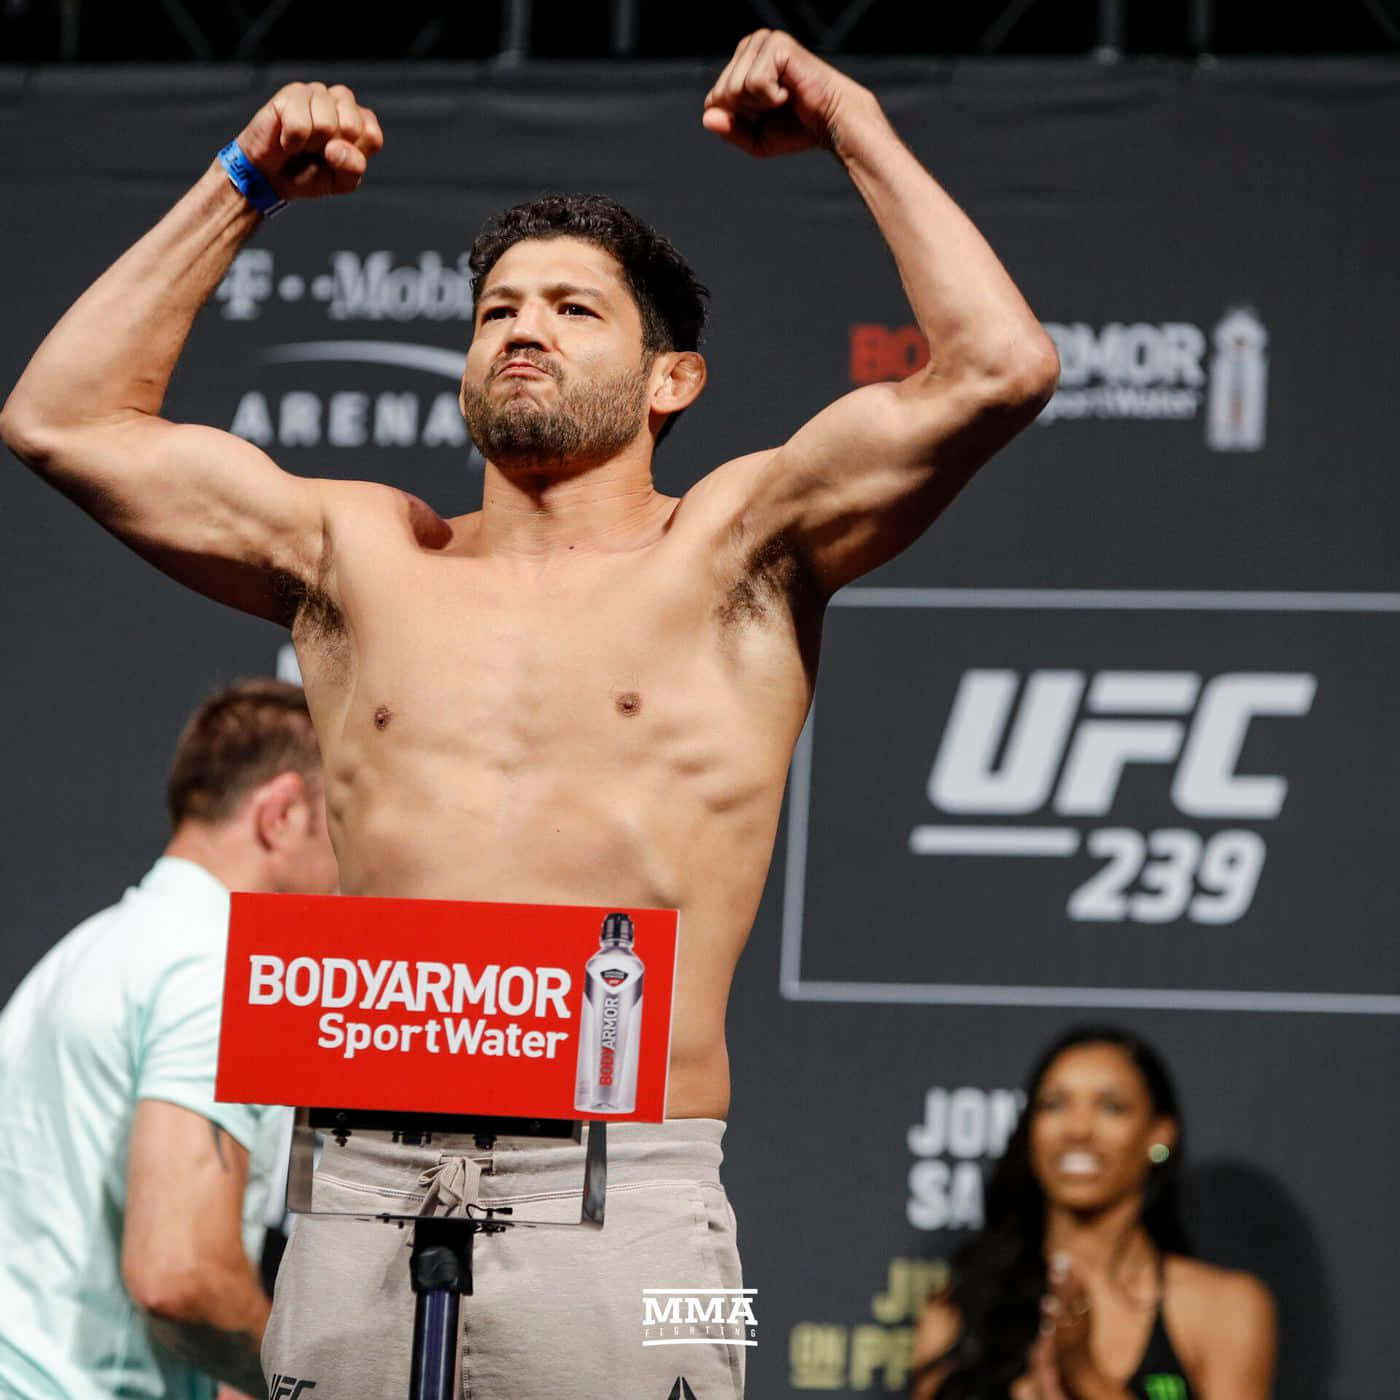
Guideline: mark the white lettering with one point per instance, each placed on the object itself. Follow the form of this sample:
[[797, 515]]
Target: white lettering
[[264, 980], [1206, 783], [469, 991], [374, 978], [658, 1312], [740, 1311], [1006, 1105], [246, 285], [299, 420], [398, 989], [349, 415], [1138, 354], [433, 979], [395, 420], [462, 1035], [303, 981], [513, 1003], [944, 1197], [251, 419], [967, 1123], [1101, 749], [517, 990], [340, 993], [551, 987], [444, 426], [373, 289], [352, 418], [962, 778]]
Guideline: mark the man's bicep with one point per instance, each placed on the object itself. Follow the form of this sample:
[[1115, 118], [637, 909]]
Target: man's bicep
[[870, 473], [185, 1180], [205, 506]]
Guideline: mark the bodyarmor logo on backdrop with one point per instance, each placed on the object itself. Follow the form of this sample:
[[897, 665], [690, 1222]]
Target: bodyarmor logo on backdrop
[[1070, 758], [1167, 371], [307, 411]]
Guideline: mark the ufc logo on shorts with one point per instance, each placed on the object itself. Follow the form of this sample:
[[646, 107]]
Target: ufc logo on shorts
[[1203, 744], [287, 1387]]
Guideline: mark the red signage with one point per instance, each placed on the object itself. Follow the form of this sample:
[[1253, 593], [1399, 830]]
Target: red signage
[[510, 1010], [880, 353]]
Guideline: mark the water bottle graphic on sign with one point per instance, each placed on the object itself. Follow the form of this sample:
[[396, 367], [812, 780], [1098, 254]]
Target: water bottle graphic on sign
[[1237, 401], [610, 1031]]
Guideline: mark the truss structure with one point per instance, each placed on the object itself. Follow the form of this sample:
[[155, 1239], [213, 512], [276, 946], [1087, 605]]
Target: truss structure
[[516, 31]]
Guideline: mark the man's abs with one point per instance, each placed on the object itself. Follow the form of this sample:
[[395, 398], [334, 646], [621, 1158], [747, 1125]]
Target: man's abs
[[591, 738]]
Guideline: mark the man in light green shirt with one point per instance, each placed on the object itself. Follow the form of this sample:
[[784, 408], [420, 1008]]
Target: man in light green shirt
[[131, 1203]]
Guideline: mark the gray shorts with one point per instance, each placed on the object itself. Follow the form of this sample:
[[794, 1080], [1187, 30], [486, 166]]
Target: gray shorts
[[553, 1312]]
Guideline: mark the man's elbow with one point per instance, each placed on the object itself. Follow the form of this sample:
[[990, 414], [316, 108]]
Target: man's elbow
[[175, 1290], [1008, 382], [1027, 379], [22, 432]]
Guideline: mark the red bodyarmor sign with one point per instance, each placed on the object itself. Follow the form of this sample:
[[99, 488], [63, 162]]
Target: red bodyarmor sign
[[509, 1010]]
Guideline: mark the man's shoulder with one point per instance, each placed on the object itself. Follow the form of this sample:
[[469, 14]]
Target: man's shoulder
[[177, 914], [736, 475], [725, 491], [372, 513]]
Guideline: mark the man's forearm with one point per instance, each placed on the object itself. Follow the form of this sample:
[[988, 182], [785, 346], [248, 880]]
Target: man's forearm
[[115, 349], [218, 1326], [965, 303], [231, 1357]]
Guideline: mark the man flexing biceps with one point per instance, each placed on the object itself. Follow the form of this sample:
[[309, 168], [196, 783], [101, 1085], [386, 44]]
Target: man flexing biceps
[[585, 692]]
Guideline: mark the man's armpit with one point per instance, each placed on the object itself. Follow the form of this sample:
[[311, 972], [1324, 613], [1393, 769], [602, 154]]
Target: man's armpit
[[771, 573]]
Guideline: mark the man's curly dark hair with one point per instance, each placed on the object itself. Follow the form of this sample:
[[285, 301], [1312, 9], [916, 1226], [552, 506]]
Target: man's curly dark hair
[[670, 299]]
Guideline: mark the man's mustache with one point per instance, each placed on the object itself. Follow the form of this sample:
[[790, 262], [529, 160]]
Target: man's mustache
[[529, 357]]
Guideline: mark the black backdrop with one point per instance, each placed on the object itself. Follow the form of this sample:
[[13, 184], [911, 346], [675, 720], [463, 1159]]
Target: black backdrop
[[1173, 591]]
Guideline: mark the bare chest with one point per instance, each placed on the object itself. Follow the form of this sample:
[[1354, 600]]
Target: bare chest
[[584, 656]]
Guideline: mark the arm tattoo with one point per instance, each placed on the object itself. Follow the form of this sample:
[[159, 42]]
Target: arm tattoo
[[228, 1356], [219, 1145]]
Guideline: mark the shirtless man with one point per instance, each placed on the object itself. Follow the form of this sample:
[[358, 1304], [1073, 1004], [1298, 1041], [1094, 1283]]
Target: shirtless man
[[586, 692]]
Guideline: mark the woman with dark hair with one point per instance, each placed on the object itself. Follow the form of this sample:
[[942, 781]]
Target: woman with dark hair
[[1082, 1286]]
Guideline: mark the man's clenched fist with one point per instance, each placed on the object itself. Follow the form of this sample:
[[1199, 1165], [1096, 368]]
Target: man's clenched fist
[[311, 140], [775, 97]]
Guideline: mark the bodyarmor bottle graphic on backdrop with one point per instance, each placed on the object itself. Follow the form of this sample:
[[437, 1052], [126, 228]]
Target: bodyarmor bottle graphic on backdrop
[[1239, 383], [611, 1029]]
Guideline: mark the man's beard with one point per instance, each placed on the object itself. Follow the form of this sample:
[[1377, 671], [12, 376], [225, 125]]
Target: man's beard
[[590, 423]]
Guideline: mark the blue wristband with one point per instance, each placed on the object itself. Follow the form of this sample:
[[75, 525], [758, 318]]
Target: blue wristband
[[249, 181]]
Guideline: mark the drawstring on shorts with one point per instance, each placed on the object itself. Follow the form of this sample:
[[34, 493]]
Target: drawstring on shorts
[[454, 1184]]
